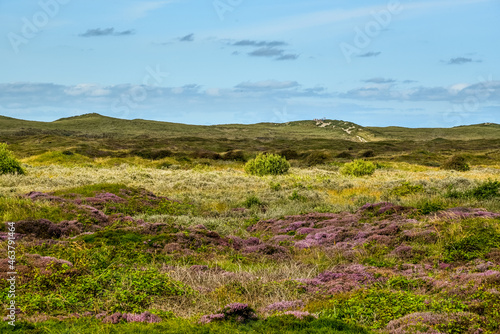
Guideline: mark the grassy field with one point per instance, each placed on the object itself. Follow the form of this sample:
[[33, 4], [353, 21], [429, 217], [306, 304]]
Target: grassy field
[[189, 243]]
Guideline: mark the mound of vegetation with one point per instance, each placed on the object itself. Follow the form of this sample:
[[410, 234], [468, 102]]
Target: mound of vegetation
[[456, 162], [8, 163], [267, 164], [358, 168]]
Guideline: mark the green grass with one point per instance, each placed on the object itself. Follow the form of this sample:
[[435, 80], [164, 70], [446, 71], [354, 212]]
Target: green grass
[[276, 325]]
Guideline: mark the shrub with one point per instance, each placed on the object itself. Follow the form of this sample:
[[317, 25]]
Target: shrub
[[485, 190], [427, 205], [358, 168], [289, 154], [316, 158], [9, 164], [234, 155], [206, 155], [267, 164], [368, 154], [456, 162], [344, 155], [476, 241], [152, 154], [252, 201]]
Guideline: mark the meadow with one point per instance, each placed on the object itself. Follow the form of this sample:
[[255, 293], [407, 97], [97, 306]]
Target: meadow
[[168, 238]]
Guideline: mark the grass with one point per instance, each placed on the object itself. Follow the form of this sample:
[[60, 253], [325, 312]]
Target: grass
[[174, 326]]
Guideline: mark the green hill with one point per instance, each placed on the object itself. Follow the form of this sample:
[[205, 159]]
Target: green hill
[[94, 135]]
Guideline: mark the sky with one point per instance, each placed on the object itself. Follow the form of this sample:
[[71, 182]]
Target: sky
[[420, 63]]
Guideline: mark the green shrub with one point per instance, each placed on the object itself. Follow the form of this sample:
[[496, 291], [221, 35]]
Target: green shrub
[[289, 154], [267, 164], [368, 154], [316, 158], [234, 155], [8, 163], [427, 205], [252, 201], [476, 241], [344, 155], [456, 162], [296, 197], [486, 190], [358, 168]]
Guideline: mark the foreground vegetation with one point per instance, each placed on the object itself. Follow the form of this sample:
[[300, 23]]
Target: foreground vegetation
[[199, 245]]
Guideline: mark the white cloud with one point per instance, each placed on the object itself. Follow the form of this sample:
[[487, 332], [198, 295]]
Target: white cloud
[[267, 84], [87, 90]]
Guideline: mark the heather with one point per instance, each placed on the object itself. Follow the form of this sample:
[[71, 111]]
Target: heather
[[207, 248]]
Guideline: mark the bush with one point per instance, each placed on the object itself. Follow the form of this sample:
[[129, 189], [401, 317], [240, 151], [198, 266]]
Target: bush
[[368, 154], [486, 190], [234, 155], [289, 154], [477, 239], [150, 154], [456, 162], [316, 158], [344, 155], [428, 205], [252, 201], [267, 164], [358, 168], [9, 164]]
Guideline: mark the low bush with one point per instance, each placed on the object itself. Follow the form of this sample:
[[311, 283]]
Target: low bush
[[152, 154], [358, 168], [289, 154], [428, 205], [267, 164], [8, 163], [316, 158], [252, 201], [234, 155], [368, 154], [456, 162], [484, 191], [478, 238], [344, 155]]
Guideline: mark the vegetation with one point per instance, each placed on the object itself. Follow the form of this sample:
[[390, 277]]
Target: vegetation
[[175, 238], [9, 164], [457, 163], [358, 168], [267, 164]]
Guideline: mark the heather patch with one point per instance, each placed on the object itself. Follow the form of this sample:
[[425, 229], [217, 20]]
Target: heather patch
[[345, 279], [433, 322], [238, 312], [284, 305], [118, 317]]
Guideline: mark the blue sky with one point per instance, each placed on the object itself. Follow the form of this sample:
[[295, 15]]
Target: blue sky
[[421, 63]]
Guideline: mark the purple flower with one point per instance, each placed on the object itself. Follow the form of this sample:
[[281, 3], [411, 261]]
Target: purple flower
[[284, 305], [211, 317], [300, 315]]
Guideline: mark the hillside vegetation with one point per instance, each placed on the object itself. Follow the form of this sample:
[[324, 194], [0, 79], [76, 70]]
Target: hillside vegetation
[[307, 142]]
